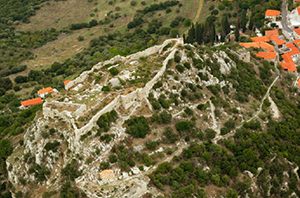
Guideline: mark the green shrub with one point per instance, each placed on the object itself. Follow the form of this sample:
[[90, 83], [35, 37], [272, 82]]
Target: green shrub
[[53, 146], [221, 6], [151, 145], [224, 131], [133, 3], [210, 134], [105, 88], [137, 126], [177, 59], [180, 68], [113, 158], [106, 119], [113, 71]]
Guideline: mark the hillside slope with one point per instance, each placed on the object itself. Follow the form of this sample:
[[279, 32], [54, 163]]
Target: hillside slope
[[172, 120]]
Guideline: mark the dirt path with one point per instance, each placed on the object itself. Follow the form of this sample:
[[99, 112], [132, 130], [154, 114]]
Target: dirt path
[[197, 15], [262, 101], [199, 11], [276, 113], [219, 137]]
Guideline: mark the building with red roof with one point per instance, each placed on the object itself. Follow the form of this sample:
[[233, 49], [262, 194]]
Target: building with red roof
[[269, 56], [272, 14], [288, 63], [294, 52], [265, 46], [277, 42], [67, 81], [297, 43], [298, 82], [296, 32], [261, 39], [298, 9], [270, 33], [35, 101], [43, 92]]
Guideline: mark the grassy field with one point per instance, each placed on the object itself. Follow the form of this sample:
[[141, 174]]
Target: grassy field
[[61, 14]]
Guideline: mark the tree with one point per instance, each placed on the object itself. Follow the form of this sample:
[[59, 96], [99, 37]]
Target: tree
[[225, 24], [174, 33], [137, 126], [243, 21], [210, 134], [170, 135], [231, 193], [187, 22], [5, 148], [190, 37], [250, 26], [199, 33], [113, 158], [237, 32]]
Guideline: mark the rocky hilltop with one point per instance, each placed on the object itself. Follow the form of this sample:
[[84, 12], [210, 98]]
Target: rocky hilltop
[[90, 135]]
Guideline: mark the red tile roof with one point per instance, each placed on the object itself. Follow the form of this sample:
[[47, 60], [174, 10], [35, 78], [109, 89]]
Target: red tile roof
[[261, 39], [297, 41], [293, 52], [263, 45], [297, 30], [277, 40], [293, 48], [298, 82], [288, 64], [67, 81], [46, 90], [298, 9], [32, 102], [267, 46], [248, 45], [290, 45], [272, 13], [270, 33], [266, 55]]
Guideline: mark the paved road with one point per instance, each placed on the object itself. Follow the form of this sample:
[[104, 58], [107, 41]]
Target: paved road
[[284, 18]]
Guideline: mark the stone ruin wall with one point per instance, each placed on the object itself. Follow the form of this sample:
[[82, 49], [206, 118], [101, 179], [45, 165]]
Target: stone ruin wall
[[50, 109], [121, 100], [129, 99]]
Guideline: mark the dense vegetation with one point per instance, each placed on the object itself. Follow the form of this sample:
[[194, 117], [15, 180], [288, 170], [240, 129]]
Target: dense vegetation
[[254, 145]]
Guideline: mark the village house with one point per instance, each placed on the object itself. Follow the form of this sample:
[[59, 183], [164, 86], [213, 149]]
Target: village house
[[269, 56], [261, 39], [31, 102], [277, 42], [265, 46], [296, 33], [270, 33], [272, 14], [294, 53], [297, 43], [296, 1], [67, 81], [43, 92], [288, 64], [294, 17]]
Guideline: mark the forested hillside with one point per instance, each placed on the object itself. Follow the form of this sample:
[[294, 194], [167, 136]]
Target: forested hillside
[[184, 117]]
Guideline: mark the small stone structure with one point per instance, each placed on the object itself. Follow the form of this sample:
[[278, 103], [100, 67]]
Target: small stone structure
[[242, 54], [107, 174]]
